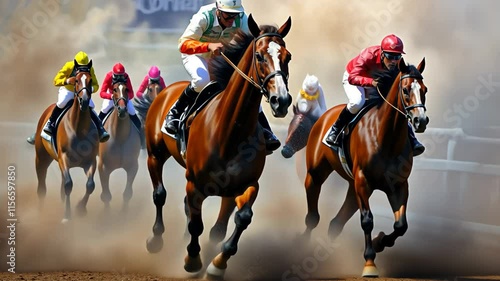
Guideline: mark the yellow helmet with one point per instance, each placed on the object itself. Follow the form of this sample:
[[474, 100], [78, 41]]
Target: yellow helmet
[[81, 58]]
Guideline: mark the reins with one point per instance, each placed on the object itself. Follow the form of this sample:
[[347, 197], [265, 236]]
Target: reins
[[263, 83], [399, 90]]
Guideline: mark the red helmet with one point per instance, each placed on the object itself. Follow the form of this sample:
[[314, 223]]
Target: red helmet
[[393, 44], [118, 69]]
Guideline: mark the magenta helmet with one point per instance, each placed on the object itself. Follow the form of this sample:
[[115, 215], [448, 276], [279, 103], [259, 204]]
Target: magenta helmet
[[154, 72]]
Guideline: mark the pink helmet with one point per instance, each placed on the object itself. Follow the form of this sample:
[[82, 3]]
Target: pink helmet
[[118, 69], [154, 72], [393, 44]]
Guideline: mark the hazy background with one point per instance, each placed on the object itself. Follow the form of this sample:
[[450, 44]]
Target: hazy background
[[452, 231]]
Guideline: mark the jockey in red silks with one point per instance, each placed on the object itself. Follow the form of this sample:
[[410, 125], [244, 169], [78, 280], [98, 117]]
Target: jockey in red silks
[[357, 80], [65, 80], [154, 76], [118, 74]]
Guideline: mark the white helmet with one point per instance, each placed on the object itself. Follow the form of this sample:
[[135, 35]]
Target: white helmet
[[230, 6], [310, 84]]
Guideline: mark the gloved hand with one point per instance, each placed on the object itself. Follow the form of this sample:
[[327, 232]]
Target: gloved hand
[[70, 81]]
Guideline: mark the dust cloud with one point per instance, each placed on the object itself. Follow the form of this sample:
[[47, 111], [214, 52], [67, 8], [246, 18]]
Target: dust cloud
[[457, 39]]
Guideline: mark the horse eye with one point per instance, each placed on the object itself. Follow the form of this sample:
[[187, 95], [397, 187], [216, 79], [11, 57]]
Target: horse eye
[[259, 57], [406, 92]]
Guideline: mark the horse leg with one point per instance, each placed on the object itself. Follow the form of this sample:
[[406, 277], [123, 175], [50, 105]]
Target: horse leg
[[363, 193], [218, 231], [104, 178], [192, 262], [155, 166], [68, 187], [128, 192], [313, 182], [349, 207], [42, 163], [398, 200], [242, 218], [81, 208]]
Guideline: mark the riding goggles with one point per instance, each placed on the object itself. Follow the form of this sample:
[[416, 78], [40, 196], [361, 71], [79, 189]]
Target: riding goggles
[[392, 56]]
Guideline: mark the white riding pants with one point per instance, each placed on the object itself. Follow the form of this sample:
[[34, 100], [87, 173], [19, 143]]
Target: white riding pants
[[65, 96], [108, 104], [197, 68], [355, 94]]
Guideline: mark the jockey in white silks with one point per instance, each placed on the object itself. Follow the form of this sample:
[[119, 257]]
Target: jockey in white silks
[[311, 99]]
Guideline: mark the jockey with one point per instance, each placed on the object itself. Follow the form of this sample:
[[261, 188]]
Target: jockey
[[357, 80], [209, 28], [118, 74], [311, 98], [65, 80], [152, 77]]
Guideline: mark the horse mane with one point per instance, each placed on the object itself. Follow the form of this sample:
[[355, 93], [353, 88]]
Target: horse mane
[[385, 78], [220, 70], [141, 106]]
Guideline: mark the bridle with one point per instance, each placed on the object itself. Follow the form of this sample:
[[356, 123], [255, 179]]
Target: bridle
[[115, 101], [406, 108], [261, 85], [77, 93]]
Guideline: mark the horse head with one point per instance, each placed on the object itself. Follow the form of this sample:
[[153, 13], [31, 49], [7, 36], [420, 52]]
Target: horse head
[[271, 65], [120, 98], [412, 91], [153, 89], [83, 85]]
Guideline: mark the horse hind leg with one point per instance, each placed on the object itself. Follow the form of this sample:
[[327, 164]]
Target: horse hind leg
[[348, 209], [192, 261], [106, 196], [242, 219], [156, 160], [90, 187], [398, 200], [128, 192], [42, 163], [219, 230]]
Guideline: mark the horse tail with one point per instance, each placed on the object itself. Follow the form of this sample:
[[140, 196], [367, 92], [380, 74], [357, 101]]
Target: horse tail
[[141, 106]]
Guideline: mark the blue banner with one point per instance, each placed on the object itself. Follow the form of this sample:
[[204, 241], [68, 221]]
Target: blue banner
[[166, 14]]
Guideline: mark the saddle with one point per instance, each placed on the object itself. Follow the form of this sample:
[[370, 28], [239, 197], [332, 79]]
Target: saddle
[[204, 97], [53, 139], [344, 136]]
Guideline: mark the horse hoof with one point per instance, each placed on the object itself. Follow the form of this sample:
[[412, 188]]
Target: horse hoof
[[192, 265], [215, 273], [287, 152], [154, 244], [370, 271], [64, 221]]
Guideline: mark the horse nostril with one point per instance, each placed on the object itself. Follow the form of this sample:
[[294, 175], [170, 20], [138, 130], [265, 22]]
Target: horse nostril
[[273, 100], [416, 122]]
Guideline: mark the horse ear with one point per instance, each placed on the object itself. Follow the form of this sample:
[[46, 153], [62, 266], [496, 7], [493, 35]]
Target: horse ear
[[253, 26], [421, 66], [285, 28], [90, 64], [76, 63], [402, 66]]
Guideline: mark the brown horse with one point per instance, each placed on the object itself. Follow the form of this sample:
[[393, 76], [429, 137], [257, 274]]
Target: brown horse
[[76, 143], [142, 105], [123, 147], [226, 149], [381, 158], [298, 132]]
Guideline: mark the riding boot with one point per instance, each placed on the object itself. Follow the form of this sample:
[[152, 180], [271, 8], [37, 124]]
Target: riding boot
[[172, 119], [102, 115], [137, 124], [50, 125], [31, 139], [272, 142], [344, 117], [418, 148], [103, 135]]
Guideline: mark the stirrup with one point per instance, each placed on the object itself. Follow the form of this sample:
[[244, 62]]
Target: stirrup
[[48, 128]]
